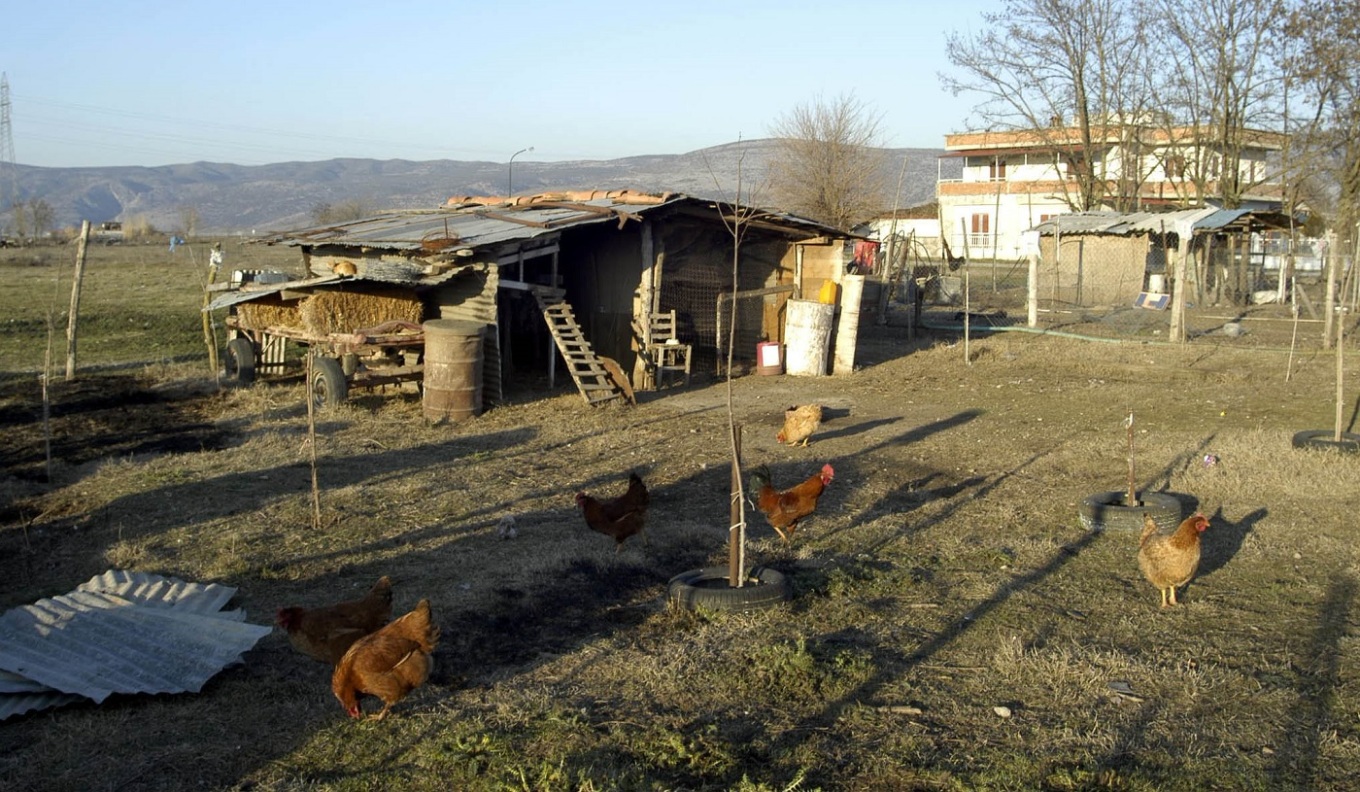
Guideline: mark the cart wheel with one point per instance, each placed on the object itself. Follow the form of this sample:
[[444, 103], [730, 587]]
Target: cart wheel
[[329, 386], [240, 360]]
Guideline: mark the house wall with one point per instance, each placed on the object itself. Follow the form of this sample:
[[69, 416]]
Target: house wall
[[1007, 213], [1035, 185], [923, 233]]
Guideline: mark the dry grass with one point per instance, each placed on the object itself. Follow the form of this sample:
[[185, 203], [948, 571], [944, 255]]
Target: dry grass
[[944, 576]]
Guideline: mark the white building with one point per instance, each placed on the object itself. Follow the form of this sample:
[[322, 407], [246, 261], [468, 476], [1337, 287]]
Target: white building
[[1012, 181]]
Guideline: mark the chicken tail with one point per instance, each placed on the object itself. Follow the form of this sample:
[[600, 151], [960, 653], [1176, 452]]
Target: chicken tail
[[419, 627], [383, 588], [760, 478], [1149, 528]]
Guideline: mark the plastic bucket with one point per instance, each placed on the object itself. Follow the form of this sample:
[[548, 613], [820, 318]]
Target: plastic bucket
[[453, 370], [769, 358]]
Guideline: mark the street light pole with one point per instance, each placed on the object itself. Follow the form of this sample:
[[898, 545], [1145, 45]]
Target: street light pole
[[510, 172]]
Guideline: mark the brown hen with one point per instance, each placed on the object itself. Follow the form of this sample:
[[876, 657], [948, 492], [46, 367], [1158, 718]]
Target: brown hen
[[1169, 561], [388, 664], [326, 633], [619, 517], [799, 424]]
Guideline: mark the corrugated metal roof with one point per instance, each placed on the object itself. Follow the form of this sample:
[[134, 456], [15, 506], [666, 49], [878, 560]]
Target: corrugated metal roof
[[474, 223], [412, 275], [467, 226], [1182, 222], [1218, 218], [120, 632]]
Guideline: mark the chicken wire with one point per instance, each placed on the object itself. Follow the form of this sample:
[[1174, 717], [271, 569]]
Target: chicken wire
[[1115, 292]]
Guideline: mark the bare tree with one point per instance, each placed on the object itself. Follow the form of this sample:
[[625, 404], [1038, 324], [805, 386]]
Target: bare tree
[[343, 212], [829, 167], [188, 221], [1328, 75], [1217, 84], [19, 220], [42, 215], [352, 209], [1069, 73]]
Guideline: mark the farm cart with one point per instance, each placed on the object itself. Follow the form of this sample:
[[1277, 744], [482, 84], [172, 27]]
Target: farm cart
[[386, 354], [355, 339]]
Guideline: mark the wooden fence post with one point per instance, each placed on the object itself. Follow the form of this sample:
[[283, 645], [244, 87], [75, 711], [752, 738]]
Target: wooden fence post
[[75, 301]]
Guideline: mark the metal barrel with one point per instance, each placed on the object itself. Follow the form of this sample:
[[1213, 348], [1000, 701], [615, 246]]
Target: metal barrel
[[807, 336], [453, 370]]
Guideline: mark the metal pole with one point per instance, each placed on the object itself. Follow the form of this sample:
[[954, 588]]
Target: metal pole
[[510, 172]]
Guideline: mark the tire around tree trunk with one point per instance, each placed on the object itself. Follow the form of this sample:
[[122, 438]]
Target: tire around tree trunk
[[1107, 511], [708, 588]]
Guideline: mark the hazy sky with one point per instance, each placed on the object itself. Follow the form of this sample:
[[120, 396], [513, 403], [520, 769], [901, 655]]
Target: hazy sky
[[155, 83]]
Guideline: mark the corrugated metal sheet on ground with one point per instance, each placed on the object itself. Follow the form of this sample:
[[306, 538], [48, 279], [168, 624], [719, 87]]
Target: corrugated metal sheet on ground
[[120, 632]]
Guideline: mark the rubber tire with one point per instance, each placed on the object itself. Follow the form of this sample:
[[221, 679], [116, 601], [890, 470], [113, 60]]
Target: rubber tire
[[707, 588], [1322, 438], [329, 387], [1106, 511], [239, 361]]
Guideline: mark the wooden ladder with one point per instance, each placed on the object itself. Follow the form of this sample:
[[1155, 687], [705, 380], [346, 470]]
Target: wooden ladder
[[585, 367]]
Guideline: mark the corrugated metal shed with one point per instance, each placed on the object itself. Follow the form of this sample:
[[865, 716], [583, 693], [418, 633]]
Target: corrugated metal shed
[[1182, 221], [120, 632]]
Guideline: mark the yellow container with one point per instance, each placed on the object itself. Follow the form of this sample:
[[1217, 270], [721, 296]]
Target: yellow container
[[830, 292]]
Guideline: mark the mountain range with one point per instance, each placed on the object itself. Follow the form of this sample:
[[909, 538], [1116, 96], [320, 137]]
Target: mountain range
[[248, 199]]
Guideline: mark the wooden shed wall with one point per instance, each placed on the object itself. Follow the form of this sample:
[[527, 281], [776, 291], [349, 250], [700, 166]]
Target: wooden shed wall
[[601, 268], [471, 295], [1094, 269]]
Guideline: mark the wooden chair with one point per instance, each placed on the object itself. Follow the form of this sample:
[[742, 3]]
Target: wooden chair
[[665, 354]]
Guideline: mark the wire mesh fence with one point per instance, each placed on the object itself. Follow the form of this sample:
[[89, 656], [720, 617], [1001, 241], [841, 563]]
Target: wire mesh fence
[[1270, 291]]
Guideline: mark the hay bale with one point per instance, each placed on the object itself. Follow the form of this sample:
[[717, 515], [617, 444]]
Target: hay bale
[[268, 312], [346, 311]]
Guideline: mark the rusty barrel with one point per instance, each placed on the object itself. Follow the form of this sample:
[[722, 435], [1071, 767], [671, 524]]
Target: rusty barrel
[[453, 369]]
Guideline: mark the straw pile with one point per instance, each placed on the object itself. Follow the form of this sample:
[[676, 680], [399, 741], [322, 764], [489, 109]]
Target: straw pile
[[344, 312], [269, 312]]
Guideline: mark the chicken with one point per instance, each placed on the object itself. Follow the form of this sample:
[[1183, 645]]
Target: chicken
[[619, 517], [785, 509], [1169, 561], [325, 633], [388, 664], [799, 424]]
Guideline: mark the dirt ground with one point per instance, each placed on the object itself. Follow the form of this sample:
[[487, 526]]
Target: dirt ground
[[944, 573]]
